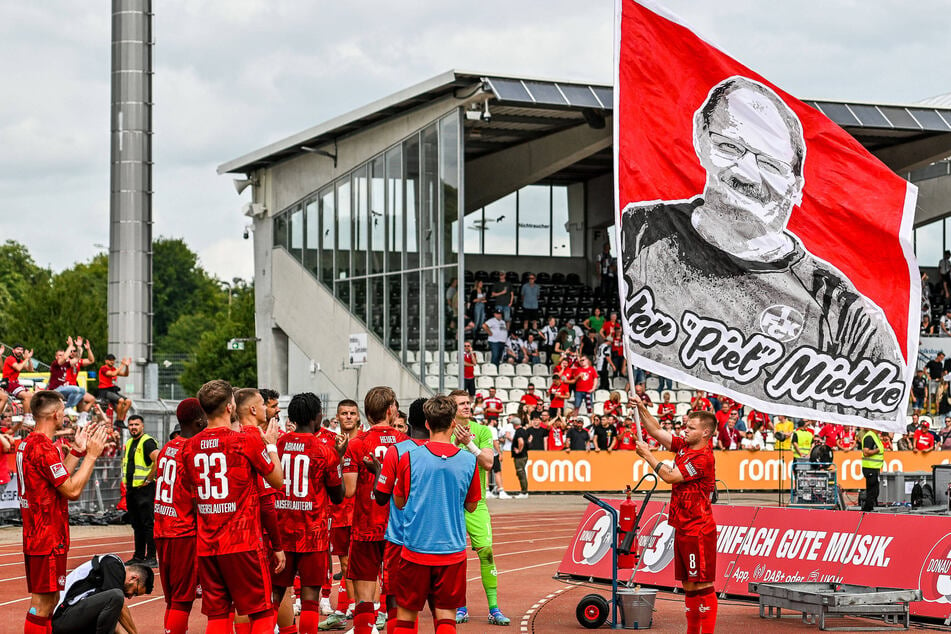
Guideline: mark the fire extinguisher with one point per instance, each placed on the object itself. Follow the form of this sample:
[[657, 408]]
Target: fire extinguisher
[[627, 549]]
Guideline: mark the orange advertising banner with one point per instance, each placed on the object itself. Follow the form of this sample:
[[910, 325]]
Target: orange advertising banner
[[739, 470]]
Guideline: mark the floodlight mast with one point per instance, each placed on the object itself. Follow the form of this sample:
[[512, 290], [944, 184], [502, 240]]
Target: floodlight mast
[[130, 201]]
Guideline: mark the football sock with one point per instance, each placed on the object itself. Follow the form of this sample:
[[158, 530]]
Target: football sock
[[343, 600], [37, 624], [490, 580], [391, 620], [446, 626], [176, 621], [309, 617], [325, 591], [403, 627], [219, 625], [262, 622], [364, 617], [707, 609]]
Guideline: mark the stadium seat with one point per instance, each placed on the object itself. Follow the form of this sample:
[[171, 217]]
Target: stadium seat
[[489, 369], [653, 383], [523, 369], [683, 396], [507, 369], [485, 382], [452, 368], [432, 382], [502, 395], [503, 382], [432, 369], [480, 358], [618, 383], [511, 408], [453, 356], [414, 368], [521, 382], [601, 395], [411, 356], [541, 382], [539, 369], [516, 394], [599, 409], [653, 395], [428, 356], [682, 408]]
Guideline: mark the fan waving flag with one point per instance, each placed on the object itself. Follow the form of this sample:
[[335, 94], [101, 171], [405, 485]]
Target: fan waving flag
[[766, 255]]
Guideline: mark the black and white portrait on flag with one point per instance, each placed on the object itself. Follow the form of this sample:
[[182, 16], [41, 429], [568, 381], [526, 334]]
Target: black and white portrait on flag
[[717, 287]]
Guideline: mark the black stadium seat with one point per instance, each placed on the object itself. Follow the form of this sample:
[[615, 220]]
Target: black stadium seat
[[573, 279], [543, 278], [557, 278]]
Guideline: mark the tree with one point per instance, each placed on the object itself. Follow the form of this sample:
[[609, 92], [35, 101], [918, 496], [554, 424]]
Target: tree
[[212, 359], [180, 287], [20, 277]]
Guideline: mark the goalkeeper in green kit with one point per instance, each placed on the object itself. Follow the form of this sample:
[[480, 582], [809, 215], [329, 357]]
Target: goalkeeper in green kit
[[477, 438]]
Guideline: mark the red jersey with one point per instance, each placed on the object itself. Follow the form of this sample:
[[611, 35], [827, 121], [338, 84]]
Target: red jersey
[[57, 375], [468, 371], [757, 418], [608, 328], [104, 379], [493, 403], [614, 409], [222, 467], [666, 411], [44, 510], [341, 515], [830, 434], [303, 506], [10, 372], [530, 399], [627, 440], [174, 504], [690, 507], [264, 488], [369, 518], [556, 439], [558, 394], [701, 403], [586, 379], [617, 342], [72, 374], [923, 440]]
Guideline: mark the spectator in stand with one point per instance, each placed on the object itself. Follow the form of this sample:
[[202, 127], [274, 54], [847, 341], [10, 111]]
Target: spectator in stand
[[452, 299], [507, 433], [784, 427], [829, 433], [928, 327], [700, 402], [603, 362], [498, 335], [603, 434], [520, 455], [846, 440], [63, 375], [617, 356], [493, 407], [561, 347], [557, 393], [548, 335], [585, 383], [641, 390], [539, 412], [607, 272], [537, 435], [906, 442], [945, 323], [752, 441], [531, 398], [756, 420], [514, 349], [944, 273], [594, 322], [557, 435], [923, 439], [578, 437], [530, 294], [626, 439], [589, 344], [944, 435], [666, 409], [109, 391], [613, 406], [610, 326], [919, 389], [477, 299], [723, 414], [935, 370], [531, 349], [728, 436], [468, 368], [19, 360], [503, 297], [478, 408]]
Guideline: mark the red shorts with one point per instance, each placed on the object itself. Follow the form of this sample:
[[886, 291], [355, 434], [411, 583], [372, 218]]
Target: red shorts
[[444, 585], [392, 561], [178, 568], [340, 541], [695, 556], [45, 573], [240, 579], [366, 560], [14, 389], [312, 568]]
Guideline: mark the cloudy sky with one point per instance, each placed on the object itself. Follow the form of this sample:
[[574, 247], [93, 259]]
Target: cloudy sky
[[234, 75]]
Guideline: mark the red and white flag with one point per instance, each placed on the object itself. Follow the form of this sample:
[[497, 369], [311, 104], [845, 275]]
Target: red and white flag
[[765, 254]]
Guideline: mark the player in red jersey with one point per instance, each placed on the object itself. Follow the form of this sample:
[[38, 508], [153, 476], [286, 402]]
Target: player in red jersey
[[693, 481], [222, 468], [369, 518], [45, 485], [312, 482], [176, 527]]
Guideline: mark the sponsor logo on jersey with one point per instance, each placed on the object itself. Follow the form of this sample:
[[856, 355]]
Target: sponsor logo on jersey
[[58, 470]]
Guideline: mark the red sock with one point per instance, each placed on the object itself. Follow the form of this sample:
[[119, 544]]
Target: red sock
[[446, 626], [309, 617], [36, 624], [391, 620], [263, 622], [325, 591], [343, 600], [287, 629], [364, 617], [242, 628], [707, 607], [176, 621], [403, 627], [691, 605], [219, 625]]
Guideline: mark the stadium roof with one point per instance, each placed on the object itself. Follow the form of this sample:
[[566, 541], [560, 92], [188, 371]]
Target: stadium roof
[[904, 137]]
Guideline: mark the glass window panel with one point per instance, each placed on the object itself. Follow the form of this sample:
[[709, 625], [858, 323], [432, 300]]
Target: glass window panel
[[411, 327], [297, 232], [377, 220], [342, 291], [449, 176], [429, 195], [280, 230], [394, 312], [394, 208], [342, 256], [560, 236], [534, 220], [358, 301], [375, 304], [500, 226], [928, 243], [411, 206], [361, 212], [312, 237], [473, 228], [327, 236], [433, 308]]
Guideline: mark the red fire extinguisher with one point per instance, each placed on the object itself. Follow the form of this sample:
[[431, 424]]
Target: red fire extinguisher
[[627, 547]]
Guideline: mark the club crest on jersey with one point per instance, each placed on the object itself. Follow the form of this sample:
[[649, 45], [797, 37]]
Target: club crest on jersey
[[782, 323]]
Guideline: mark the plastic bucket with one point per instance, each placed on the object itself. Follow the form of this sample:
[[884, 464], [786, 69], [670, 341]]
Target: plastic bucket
[[637, 607]]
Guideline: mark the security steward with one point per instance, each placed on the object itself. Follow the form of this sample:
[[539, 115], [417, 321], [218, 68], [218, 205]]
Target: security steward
[[873, 457], [138, 463], [95, 594], [801, 442]]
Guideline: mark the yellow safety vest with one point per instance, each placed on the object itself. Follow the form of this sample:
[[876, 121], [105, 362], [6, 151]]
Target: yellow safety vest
[[142, 470], [874, 461], [803, 444]]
